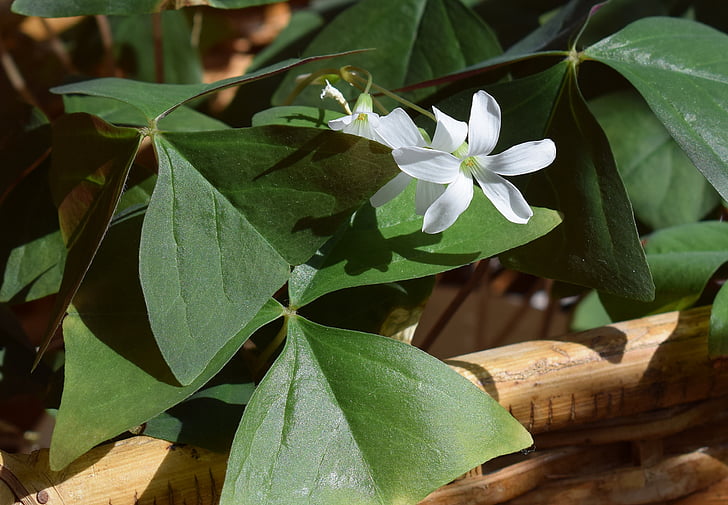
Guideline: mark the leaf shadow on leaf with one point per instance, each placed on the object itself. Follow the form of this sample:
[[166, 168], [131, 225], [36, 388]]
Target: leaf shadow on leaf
[[313, 148], [382, 248], [118, 318]]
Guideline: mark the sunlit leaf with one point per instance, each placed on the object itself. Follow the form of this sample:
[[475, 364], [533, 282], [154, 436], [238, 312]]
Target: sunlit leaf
[[115, 376], [158, 100], [386, 244], [341, 413], [232, 210], [681, 69]]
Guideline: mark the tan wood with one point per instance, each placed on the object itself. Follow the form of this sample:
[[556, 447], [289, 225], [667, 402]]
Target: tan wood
[[614, 371], [617, 371]]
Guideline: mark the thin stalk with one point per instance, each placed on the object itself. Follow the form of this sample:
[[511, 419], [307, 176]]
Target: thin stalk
[[516, 318], [107, 42], [480, 270], [15, 77], [58, 47]]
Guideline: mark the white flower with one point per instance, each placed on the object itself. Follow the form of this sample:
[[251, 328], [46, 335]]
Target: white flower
[[453, 162], [397, 129], [362, 122], [330, 91]]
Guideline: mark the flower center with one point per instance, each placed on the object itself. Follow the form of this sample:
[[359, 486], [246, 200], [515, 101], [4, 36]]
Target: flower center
[[469, 165], [362, 116]]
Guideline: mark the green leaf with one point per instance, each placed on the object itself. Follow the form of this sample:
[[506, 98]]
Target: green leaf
[[63, 8], [155, 101], [414, 40], [32, 251], [718, 337], [386, 244], [232, 210], [115, 376], [681, 69], [682, 260], [121, 113], [208, 418], [385, 309], [597, 245], [341, 414], [663, 185], [296, 115], [86, 190]]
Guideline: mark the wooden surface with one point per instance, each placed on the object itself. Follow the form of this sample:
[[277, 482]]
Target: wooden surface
[[602, 386]]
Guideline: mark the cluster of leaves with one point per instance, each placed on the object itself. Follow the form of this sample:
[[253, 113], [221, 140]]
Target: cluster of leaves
[[262, 234]]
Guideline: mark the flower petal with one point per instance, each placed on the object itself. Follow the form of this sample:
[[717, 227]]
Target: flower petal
[[427, 164], [521, 159], [363, 125], [445, 210], [449, 133], [390, 190], [397, 129], [427, 193], [484, 124], [504, 196], [339, 124]]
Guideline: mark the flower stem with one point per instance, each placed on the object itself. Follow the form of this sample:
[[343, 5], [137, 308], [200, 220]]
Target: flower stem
[[350, 73]]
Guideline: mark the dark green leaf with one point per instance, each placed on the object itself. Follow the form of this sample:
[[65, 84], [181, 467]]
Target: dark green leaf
[[681, 69], [384, 309], [115, 376], [32, 251], [208, 418], [387, 244], [663, 185], [597, 245], [341, 414], [682, 260], [86, 190], [63, 8], [414, 40], [156, 101], [232, 210], [556, 32]]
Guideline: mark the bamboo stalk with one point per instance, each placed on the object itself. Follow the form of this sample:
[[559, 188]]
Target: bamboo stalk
[[617, 371], [614, 371]]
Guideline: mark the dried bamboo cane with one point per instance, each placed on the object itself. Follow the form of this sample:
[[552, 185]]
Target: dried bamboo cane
[[620, 370]]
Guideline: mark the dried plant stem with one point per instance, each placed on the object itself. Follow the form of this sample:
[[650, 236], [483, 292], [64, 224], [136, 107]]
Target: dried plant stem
[[15, 77], [480, 270], [58, 47], [107, 41]]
